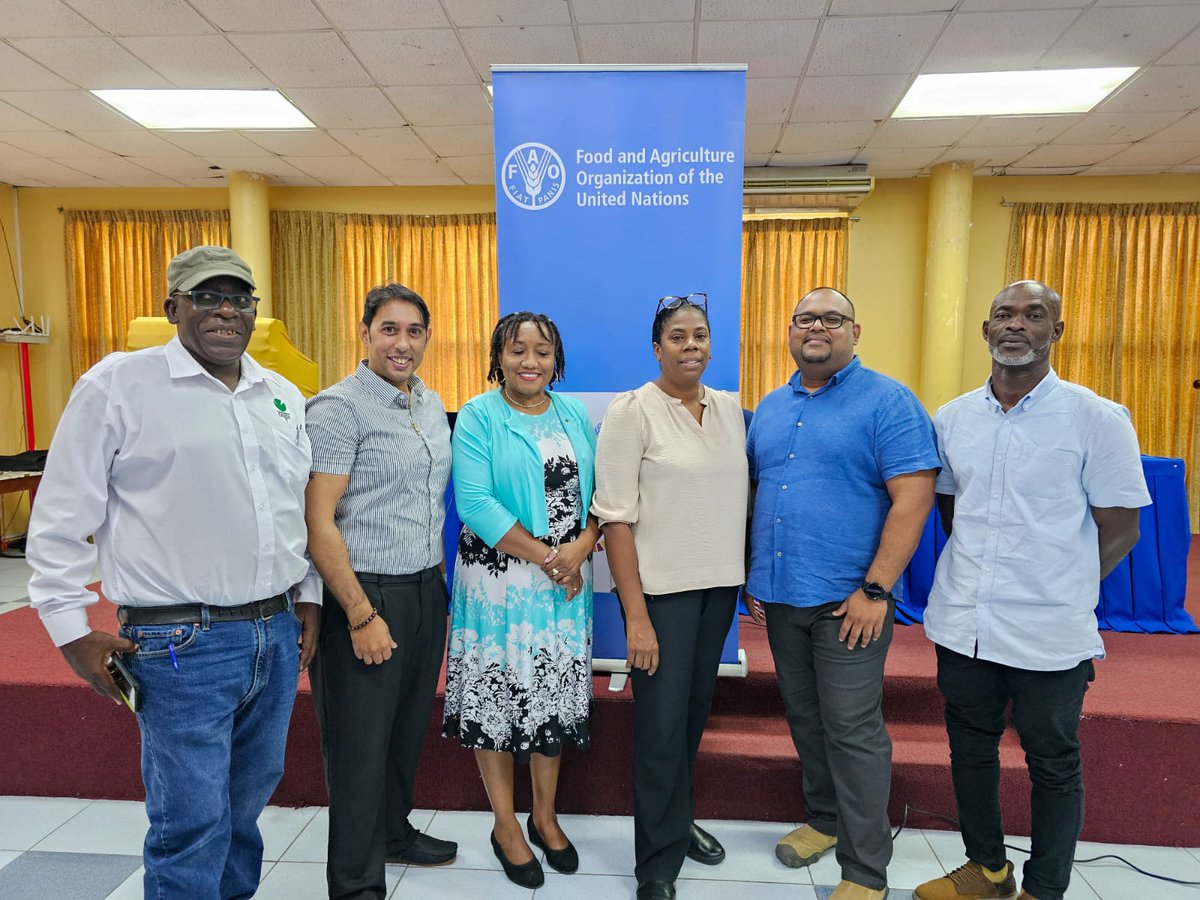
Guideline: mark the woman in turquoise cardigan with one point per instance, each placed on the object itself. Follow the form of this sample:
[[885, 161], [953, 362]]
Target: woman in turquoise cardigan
[[518, 680]]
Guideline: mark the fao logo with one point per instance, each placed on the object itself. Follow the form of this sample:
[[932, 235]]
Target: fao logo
[[533, 176]]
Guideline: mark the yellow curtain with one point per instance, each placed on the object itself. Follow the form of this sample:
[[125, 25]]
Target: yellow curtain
[[117, 270], [782, 260], [325, 263], [1129, 275]]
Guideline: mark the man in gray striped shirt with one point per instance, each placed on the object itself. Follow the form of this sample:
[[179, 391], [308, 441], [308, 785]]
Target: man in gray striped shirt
[[375, 511]]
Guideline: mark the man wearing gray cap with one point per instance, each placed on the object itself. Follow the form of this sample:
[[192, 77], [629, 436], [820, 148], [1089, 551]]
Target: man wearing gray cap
[[187, 464]]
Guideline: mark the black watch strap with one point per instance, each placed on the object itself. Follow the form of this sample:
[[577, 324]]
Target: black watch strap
[[875, 591]]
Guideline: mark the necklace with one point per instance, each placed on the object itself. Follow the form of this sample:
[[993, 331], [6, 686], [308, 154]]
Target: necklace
[[515, 402]]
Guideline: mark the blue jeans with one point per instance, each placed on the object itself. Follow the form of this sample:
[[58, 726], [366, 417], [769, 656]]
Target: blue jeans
[[213, 735]]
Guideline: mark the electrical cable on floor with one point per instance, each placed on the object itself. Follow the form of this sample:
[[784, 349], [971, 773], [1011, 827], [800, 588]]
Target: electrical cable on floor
[[1120, 859]]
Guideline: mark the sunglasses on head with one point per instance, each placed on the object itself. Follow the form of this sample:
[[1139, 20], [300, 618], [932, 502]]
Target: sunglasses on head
[[700, 301]]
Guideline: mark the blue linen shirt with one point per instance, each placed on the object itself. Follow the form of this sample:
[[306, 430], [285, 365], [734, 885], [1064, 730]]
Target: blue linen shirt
[[1018, 581], [821, 460]]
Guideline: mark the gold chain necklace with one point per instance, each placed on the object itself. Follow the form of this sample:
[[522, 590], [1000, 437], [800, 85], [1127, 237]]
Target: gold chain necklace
[[515, 402]]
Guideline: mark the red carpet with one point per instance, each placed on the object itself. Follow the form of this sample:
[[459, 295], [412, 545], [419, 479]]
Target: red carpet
[[1140, 733]]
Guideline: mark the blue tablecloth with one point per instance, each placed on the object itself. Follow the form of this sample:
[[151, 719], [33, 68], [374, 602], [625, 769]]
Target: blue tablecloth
[[1145, 593]]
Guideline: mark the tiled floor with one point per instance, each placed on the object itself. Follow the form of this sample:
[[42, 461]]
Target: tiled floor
[[90, 850]]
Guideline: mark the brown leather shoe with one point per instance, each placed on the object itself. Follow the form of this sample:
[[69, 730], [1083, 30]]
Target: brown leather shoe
[[968, 882]]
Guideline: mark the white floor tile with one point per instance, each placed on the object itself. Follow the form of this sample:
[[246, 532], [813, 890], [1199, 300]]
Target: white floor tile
[[694, 889], [605, 843], [130, 888], [577, 887], [281, 826], [7, 856], [1113, 881], [312, 844], [294, 881], [26, 820], [105, 826], [1079, 889], [445, 882], [749, 854], [913, 862], [472, 831]]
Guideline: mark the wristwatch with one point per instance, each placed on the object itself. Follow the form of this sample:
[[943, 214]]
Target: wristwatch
[[875, 591]]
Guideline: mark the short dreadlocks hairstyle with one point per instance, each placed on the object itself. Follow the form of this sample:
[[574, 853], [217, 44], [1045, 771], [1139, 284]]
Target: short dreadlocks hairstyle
[[506, 331]]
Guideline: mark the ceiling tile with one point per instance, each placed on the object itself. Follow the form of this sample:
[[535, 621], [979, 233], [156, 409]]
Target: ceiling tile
[[874, 46], [263, 165], [986, 157], [914, 158], [474, 169], [755, 160], [12, 119], [771, 47], [1122, 170], [69, 110], [814, 137], [178, 168], [8, 151], [547, 45], [338, 170], [1044, 170], [421, 56], [457, 140], [205, 61], [1070, 155], [53, 144], [1116, 128], [297, 143], [20, 73], [132, 143], [997, 42], [315, 59], [450, 104], [468, 13], [1186, 129], [591, 12], [42, 18], [127, 17], [879, 7], [649, 43], [363, 107], [384, 143], [1000, 131], [831, 157], [1185, 53], [902, 133], [769, 99], [1003, 5], [1158, 154], [212, 143], [366, 15], [762, 138], [276, 15], [93, 63], [848, 98], [120, 172], [1158, 89], [762, 9], [448, 179], [417, 171], [1121, 37], [44, 171]]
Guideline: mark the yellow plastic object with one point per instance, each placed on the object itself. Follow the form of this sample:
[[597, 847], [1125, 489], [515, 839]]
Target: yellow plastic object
[[269, 345]]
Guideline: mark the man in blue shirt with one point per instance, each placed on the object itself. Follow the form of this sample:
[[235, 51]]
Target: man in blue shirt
[[844, 460], [1039, 493]]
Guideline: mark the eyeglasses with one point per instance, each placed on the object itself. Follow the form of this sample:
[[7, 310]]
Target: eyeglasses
[[669, 302], [831, 321], [210, 300]]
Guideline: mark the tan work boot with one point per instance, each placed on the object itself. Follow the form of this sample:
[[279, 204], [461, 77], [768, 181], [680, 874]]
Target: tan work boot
[[969, 882], [848, 890], [803, 847]]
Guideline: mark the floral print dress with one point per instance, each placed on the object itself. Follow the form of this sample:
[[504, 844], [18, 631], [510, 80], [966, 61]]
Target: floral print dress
[[518, 677]]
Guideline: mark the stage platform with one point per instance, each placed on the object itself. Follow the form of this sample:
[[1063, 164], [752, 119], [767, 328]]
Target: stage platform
[[1140, 733]]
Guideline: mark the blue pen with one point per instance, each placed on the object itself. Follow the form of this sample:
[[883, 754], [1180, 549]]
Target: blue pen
[[174, 659]]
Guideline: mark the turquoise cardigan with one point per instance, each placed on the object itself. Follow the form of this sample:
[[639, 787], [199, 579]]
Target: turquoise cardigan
[[499, 478]]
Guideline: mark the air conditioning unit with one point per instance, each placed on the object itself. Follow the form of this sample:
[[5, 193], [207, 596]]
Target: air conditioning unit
[[773, 188]]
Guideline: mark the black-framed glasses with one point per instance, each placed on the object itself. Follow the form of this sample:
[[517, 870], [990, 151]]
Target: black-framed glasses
[[831, 321], [210, 300], [672, 302]]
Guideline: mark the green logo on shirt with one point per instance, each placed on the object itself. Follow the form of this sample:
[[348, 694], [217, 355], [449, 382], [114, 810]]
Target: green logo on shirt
[[280, 405]]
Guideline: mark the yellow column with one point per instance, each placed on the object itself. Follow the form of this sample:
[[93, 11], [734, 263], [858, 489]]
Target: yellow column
[[250, 229], [948, 243]]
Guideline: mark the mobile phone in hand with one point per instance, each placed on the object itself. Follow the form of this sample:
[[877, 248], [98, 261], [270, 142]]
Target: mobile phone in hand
[[131, 690]]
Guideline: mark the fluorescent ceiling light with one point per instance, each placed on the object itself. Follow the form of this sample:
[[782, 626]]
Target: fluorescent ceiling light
[[207, 109], [1034, 92]]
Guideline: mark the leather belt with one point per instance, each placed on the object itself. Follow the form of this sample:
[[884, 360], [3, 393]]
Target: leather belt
[[424, 575], [194, 612]]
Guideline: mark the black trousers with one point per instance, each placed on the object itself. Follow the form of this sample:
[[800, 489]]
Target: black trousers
[[670, 710], [373, 721], [1046, 709]]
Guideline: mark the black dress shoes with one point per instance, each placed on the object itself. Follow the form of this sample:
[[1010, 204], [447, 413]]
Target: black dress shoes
[[565, 860], [527, 875], [704, 848], [425, 851], [656, 890]]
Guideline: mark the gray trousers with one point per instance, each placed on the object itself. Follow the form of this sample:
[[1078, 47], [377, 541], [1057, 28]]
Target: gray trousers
[[832, 699]]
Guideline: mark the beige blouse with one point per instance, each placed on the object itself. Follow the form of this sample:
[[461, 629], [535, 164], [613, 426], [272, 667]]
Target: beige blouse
[[682, 487]]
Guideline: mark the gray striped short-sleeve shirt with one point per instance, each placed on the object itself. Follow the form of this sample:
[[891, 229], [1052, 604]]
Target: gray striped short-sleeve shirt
[[396, 449]]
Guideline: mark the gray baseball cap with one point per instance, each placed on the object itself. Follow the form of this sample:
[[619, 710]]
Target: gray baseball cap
[[201, 263]]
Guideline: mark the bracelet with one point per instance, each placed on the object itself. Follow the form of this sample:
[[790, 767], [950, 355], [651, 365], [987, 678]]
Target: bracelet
[[365, 622]]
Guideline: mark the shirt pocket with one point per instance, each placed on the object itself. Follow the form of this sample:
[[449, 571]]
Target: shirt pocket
[[1048, 473]]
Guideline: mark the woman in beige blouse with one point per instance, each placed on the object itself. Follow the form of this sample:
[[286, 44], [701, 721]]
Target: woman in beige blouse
[[671, 492]]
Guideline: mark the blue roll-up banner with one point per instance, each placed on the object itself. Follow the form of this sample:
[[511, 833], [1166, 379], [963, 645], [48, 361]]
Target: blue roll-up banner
[[616, 186]]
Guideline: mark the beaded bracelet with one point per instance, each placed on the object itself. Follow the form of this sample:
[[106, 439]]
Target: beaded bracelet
[[365, 622]]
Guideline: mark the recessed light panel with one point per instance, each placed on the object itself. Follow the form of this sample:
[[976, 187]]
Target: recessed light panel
[[196, 110], [1028, 93]]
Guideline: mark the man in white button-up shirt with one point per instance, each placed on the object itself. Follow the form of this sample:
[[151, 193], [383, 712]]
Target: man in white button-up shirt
[[1039, 493], [187, 463]]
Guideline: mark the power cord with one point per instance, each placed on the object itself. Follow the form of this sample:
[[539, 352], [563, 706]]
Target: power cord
[[1120, 859]]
